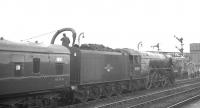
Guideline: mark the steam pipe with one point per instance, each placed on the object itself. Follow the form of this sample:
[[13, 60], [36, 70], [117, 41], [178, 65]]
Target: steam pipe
[[79, 37], [62, 30]]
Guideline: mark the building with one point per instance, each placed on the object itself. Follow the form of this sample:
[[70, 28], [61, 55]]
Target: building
[[195, 54]]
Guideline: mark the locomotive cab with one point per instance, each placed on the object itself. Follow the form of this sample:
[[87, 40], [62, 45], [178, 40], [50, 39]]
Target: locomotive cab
[[134, 61]]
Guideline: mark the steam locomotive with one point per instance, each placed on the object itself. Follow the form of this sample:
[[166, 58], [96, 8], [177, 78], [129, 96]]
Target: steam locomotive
[[34, 75]]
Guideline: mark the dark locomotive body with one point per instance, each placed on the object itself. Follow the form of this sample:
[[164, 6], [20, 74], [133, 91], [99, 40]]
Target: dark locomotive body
[[111, 72], [31, 73], [98, 66]]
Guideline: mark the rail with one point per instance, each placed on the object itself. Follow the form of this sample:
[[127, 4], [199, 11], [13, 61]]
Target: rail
[[101, 103], [184, 102], [149, 98]]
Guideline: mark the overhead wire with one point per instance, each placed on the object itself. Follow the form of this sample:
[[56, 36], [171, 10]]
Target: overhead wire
[[40, 35]]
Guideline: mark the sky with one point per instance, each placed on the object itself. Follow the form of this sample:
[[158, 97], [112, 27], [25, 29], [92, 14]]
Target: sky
[[113, 23]]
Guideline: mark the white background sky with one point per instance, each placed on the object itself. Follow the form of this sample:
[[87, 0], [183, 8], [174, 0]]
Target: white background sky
[[114, 23]]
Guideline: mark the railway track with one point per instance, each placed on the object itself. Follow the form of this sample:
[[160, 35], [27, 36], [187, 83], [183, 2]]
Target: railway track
[[124, 100], [185, 101], [149, 100], [185, 81], [165, 101]]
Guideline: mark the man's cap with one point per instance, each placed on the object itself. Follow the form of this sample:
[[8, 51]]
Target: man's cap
[[64, 34]]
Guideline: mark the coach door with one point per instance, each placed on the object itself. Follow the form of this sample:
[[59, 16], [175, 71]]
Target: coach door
[[75, 65], [131, 65], [137, 64]]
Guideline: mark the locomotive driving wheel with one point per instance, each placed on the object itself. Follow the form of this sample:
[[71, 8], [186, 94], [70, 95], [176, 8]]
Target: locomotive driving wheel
[[165, 82], [152, 80], [155, 79], [148, 83]]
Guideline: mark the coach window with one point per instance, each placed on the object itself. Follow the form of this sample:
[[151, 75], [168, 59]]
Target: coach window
[[59, 68], [18, 69], [36, 65]]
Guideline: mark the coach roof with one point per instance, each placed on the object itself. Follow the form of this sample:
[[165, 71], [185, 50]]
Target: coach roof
[[6, 45]]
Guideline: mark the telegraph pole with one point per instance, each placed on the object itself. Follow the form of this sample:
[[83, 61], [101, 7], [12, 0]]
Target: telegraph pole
[[157, 46], [181, 42]]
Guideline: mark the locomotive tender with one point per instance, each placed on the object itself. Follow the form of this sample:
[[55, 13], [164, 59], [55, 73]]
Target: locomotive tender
[[34, 75]]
